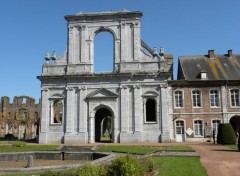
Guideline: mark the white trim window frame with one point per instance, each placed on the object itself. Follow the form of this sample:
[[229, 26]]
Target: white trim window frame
[[178, 98], [196, 96], [234, 97], [214, 98], [198, 128], [215, 124]]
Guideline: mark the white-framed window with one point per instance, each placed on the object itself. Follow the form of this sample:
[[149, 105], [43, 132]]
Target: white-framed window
[[198, 128], [57, 111], [179, 127], [214, 98], [196, 98], [234, 93], [150, 109], [215, 124], [178, 99]]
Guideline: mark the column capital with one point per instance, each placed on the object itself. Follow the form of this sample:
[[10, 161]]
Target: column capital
[[136, 86], [69, 88], [123, 86], [44, 89]]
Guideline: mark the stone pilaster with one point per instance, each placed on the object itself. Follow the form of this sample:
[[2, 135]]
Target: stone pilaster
[[124, 108], [69, 111], [224, 103], [138, 116], [165, 136], [45, 117]]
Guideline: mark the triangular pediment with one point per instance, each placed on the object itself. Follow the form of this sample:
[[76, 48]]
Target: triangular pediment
[[102, 93]]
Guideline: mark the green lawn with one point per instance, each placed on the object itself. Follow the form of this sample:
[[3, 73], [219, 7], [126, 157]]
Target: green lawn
[[180, 166], [28, 147], [234, 146], [139, 149], [168, 166]]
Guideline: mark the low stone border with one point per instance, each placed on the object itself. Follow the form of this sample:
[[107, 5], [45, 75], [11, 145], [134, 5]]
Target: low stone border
[[108, 156]]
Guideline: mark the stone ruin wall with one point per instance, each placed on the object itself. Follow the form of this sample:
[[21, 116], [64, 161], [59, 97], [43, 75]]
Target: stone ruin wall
[[20, 118]]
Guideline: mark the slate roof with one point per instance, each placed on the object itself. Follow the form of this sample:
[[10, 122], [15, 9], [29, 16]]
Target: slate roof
[[219, 67]]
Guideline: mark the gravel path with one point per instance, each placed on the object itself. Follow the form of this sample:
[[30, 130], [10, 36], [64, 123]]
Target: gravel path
[[218, 160]]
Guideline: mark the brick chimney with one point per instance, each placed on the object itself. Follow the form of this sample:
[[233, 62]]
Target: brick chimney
[[229, 53], [211, 54]]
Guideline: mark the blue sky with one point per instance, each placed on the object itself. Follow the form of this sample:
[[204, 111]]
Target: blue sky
[[29, 28]]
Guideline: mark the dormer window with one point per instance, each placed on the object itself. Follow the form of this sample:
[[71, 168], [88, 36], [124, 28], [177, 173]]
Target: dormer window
[[203, 74]]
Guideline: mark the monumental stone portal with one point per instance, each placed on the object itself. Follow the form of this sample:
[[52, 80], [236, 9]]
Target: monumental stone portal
[[130, 103]]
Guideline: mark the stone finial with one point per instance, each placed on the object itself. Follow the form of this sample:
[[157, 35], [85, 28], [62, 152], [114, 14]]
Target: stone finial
[[155, 51], [54, 56], [47, 56], [161, 53]]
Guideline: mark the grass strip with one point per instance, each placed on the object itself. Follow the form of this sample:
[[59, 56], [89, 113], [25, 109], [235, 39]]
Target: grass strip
[[180, 166], [11, 148]]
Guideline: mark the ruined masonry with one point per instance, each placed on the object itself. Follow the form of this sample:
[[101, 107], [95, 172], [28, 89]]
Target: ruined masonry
[[129, 104], [20, 119]]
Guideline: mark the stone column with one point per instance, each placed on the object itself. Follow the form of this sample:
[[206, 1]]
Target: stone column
[[91, 127], [136, 40], [83, 117], [165, 136], [224, 102], [83, 44], [71, 44], [69, 111], [45, 116], [138, 118], [124, 109], [123, 42]]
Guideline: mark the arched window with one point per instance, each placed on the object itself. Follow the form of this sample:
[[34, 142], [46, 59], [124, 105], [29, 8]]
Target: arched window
[[150, 110], [103, 52]]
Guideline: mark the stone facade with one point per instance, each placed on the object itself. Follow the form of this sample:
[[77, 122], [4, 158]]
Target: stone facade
[[133, 97], [19, 118]]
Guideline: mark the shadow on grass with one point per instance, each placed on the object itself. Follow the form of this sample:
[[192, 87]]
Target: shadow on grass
[[224, 150]]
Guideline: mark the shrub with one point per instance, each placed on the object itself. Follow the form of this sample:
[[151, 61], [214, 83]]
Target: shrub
[[226, 134], [239, 141], [148, 163], [19, 144], [91, 170], [10, 137], [126, 165], [66, 172]]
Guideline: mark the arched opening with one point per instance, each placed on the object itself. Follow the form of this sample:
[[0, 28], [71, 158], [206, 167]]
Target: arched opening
[[235, 122], [103, 52], [103, 125]]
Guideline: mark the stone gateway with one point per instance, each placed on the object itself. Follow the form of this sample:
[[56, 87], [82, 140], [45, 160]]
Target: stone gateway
[[129, 104]]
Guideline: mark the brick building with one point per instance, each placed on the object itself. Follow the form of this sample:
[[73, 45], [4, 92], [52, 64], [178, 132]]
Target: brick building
[[20, 118], [205, 94]]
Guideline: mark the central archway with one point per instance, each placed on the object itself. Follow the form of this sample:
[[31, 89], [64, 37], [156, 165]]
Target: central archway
[[103, 125]]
